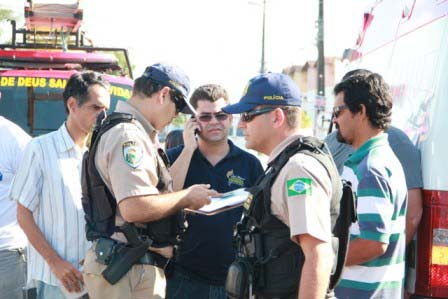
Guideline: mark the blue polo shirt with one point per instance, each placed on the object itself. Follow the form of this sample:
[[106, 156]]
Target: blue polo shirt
[[207, 248]]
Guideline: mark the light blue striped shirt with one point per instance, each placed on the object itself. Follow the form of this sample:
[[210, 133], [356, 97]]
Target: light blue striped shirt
[[48, 183]]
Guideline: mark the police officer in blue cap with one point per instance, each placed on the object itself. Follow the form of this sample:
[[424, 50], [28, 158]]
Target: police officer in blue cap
[[133, 216], [284, 238]]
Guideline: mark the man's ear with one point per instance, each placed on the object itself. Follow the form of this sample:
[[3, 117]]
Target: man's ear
[[278, 117], [363, 111], [72, 104], [164, 94]]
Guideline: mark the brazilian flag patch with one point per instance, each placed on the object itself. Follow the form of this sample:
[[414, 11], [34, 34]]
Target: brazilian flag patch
[[299, 186], [132, 153]]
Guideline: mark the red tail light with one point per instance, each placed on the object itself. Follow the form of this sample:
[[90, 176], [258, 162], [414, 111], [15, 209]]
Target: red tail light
[[432, 248]]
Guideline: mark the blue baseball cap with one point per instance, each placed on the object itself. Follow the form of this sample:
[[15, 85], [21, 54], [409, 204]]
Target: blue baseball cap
[[173, 77], [267, 89]]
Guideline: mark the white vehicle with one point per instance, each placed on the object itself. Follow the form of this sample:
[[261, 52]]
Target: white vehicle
[[407, 42]]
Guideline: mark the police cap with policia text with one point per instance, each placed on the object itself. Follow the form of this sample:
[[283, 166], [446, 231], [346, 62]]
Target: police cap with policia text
[[175, 78], [267, 89]]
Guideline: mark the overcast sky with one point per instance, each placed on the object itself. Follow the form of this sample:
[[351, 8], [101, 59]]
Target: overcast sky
[[218, 41]]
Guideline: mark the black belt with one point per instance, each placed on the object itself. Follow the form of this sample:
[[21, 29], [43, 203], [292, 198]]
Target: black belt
[[155, 259]]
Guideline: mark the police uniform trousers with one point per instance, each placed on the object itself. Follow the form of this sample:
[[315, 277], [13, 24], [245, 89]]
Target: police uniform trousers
[[141, 282]]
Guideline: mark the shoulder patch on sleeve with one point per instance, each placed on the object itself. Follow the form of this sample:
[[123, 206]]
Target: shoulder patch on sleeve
[[299, 186], [132, 153]]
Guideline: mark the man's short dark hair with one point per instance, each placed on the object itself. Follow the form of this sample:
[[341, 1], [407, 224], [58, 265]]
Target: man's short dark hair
[[78, 87], [145, 86], [370, 91], [357, 72], [208, 92]]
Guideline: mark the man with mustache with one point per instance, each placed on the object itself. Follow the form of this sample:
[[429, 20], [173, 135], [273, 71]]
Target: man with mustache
[[406, 152], [375, 259]]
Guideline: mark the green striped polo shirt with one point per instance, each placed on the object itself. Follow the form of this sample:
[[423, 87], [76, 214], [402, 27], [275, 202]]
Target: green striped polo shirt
[[379, 183]]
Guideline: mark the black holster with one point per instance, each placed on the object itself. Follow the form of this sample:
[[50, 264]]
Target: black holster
[[126, 256], [124, 259]]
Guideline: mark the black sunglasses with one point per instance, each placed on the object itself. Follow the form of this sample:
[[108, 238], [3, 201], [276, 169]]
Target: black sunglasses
[[219, 116], [251, 114], [178, 101], [338, 109]]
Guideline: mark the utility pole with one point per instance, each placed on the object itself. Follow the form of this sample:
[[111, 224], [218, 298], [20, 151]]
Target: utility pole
[[320, 51], [320, 100], [262, 66]]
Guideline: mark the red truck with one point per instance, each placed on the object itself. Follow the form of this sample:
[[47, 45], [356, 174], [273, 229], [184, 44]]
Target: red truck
[[35, 66]]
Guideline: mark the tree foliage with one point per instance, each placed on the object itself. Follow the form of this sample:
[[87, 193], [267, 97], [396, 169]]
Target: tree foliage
[[179, 121], [6, 15]]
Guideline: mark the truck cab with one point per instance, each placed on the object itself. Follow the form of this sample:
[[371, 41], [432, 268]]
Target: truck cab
[[35, 66]]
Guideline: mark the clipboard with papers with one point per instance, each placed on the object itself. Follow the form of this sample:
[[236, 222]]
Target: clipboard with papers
[[226, 201]]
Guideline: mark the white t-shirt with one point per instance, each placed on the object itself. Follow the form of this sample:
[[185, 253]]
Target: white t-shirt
[[12, 145]]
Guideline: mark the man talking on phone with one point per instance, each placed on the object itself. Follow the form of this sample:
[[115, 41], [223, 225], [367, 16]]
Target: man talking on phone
[[208, 157]]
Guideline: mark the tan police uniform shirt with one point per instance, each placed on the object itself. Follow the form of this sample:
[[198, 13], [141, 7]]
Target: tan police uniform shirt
[[301, 194], [127, 158]]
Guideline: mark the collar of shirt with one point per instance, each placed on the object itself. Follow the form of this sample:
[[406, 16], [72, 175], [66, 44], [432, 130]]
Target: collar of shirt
[[282, 145], [234, 151], [64, 140], [363, 150], [128, 108]]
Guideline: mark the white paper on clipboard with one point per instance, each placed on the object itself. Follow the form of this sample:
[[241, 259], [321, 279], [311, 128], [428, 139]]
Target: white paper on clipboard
[[226, 201]]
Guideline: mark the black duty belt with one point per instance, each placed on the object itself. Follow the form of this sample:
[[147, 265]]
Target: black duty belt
[[155, 259]]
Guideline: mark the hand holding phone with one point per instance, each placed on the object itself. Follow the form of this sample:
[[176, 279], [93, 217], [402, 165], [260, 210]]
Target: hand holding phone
[[190, 134]]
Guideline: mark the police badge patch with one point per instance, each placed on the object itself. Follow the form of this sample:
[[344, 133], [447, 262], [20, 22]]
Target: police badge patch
[[132, 153]]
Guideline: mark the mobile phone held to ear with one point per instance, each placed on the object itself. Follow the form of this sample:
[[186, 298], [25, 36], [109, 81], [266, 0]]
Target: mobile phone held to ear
[[196, 131]]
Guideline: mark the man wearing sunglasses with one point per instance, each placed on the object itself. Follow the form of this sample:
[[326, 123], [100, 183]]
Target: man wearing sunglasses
[[406, 152], [295, 227], [208, 157], [134, 175], [375, 259]]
